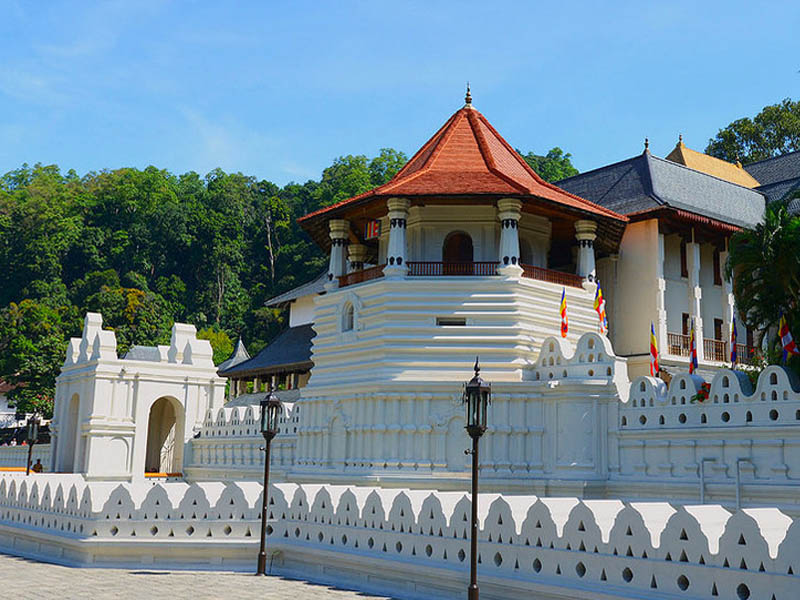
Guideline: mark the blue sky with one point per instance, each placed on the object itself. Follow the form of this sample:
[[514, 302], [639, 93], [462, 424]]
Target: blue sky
[[278, 90]]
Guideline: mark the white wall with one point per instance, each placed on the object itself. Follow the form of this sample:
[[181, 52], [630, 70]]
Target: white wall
[[428, 226], [636, 288], [301, 311], [17, 456], [665, 436], [6, 414]]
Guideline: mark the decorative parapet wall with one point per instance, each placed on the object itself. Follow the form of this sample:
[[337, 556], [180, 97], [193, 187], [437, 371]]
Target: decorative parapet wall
[[229, 446], [373, 537], [752, 434]]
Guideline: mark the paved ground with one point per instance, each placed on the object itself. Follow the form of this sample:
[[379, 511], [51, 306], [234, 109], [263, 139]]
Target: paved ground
[[22, 578]]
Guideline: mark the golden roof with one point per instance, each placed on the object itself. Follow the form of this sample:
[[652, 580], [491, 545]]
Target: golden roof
[[711, 166]]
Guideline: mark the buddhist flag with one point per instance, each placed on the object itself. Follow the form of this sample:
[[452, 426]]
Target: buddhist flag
[[372, 230], [789, 347], [600, 307], [564, 323], [692, 351], [733, 342], [653, 351]]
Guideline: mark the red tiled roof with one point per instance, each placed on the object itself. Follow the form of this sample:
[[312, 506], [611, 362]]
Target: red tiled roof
[[468, 157]]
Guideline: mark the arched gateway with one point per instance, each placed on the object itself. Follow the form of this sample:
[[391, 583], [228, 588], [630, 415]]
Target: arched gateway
[[165, 426], [117, 418]]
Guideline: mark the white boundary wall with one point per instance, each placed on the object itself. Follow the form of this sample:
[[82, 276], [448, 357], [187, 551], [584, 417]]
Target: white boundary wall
[[410, 543]]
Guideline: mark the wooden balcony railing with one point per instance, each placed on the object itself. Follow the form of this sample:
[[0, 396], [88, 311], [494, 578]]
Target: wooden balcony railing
[[361, 276], [559, 277], [678, 344], [436, 269], [716, 350]]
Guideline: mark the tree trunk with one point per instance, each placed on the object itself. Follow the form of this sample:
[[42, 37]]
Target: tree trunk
[[269, 248]]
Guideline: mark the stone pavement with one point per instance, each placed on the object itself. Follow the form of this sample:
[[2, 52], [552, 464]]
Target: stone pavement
[[23, 578]]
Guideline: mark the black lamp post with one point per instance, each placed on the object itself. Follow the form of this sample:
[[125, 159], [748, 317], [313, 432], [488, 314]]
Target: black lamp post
[[477, 397], [271, 410], [33, 434]]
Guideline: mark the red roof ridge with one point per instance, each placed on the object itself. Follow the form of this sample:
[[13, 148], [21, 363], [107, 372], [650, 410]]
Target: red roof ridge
[[539, 179], [436, 139], [476, 115]]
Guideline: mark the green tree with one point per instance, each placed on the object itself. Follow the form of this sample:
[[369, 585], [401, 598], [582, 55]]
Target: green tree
[[773, 131], [221, 343], [33, 343], [553, 166], [137, 317], [386, 165], [765, 268]]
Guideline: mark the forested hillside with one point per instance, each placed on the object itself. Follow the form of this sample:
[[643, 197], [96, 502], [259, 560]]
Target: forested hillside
[[147, 248]]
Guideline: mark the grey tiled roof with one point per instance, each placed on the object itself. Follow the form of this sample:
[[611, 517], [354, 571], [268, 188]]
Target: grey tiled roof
[[239, 355], [149, 353], [775, 169], [290, 350], [779, 176], [646, 181], [315, 286], [780, 190], [624, 187]]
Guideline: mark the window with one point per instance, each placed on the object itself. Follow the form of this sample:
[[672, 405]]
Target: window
[[717, 269], [449, 321], [348, 317], [718, 330], [750, 341], [685, 324], [684, 263]]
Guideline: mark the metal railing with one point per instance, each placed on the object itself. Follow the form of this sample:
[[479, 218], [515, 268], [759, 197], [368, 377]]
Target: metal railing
[[436, 269], [361, 276], [559, 277]]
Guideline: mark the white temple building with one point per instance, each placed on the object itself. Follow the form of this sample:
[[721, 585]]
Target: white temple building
[[598, 480]]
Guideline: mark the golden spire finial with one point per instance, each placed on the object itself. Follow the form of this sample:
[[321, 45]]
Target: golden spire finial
[[646, 145], [468, 97], [680, 139]]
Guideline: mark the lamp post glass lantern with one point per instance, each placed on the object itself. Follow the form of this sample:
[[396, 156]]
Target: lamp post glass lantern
[[476, 400], [271, 411], [33, 435], [477, 397]]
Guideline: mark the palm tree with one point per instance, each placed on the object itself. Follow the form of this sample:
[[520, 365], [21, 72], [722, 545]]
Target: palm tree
[[764, 263]]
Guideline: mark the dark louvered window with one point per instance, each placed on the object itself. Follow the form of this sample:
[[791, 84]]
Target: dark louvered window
[[684, 264]]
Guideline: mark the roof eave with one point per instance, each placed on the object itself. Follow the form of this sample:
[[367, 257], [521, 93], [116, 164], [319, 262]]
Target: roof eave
[[269, 370], [683, 215]]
